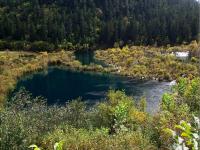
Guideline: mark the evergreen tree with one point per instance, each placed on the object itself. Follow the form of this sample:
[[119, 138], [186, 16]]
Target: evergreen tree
[[100, 21]]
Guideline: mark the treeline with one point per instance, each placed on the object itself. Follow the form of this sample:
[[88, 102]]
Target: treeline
[[95, 22], [38, 46]]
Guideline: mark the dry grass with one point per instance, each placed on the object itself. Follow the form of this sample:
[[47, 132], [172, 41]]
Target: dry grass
[[151, 62]]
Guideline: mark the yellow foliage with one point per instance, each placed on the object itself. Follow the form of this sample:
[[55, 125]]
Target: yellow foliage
[[44, 54], [138, 116], [150, 62]]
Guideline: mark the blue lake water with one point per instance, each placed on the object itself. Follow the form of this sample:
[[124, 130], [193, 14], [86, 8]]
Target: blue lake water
[[87, 57], [59, 85]]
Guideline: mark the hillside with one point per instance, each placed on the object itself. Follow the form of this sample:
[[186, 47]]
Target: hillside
[[95, 22]]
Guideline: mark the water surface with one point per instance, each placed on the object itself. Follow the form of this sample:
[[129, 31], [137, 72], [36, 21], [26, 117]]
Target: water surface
[[60, 85], [87, 57]]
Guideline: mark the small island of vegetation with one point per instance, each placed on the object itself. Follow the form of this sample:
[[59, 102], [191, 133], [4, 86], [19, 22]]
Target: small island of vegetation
[[147, 62]]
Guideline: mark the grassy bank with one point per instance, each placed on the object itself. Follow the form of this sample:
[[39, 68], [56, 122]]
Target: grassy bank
[[152, 62]]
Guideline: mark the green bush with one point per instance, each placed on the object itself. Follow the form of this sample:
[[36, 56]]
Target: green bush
[[4, 45], [41, 46], [98, 139], [26, 120], [18, 45], [186, 136], [192, 95], [119, 113], [194, 59], [67, 46], [177, 106], [181, 86], [168, 102]]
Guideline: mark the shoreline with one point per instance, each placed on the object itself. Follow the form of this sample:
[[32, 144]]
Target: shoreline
[[15, 64]]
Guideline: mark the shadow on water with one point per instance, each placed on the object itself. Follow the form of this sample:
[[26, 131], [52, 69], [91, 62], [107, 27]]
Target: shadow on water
[[61, 85], [86, 57]]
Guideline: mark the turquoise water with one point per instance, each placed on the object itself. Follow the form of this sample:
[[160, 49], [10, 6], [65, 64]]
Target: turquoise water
[[60, 85]]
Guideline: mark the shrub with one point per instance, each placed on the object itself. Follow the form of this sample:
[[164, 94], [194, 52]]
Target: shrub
[[168, 102], [142, 104], [186, 136], [194, 59], [181, 86], [41, 46], [67, 46], [192, 95], [4, 45], [18, 45], [57, 146], [26, 120], [119, 113], [96, 139]]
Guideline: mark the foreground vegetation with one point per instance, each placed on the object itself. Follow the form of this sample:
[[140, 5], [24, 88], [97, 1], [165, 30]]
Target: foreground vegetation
[[117, 123], [153, 62]]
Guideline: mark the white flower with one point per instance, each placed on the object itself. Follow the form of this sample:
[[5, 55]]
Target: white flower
[[195, 135], [180, 140], [173, 133], [56, 145], [195, 144], [181, 147], [197, 121]]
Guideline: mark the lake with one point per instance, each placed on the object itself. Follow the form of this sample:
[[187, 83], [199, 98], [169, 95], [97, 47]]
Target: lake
[[87, 57], [59, 85]]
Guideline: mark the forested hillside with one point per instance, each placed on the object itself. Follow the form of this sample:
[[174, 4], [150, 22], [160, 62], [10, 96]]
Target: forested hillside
[[99, 21]]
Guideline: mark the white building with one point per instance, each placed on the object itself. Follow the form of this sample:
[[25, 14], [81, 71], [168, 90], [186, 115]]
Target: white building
[[182, 55]]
